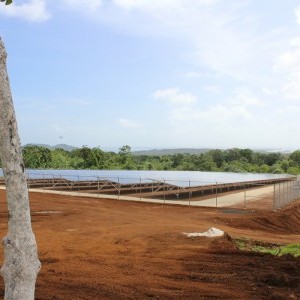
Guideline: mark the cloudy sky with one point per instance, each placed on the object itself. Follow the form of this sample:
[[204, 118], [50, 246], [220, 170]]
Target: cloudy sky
[[155, 73]]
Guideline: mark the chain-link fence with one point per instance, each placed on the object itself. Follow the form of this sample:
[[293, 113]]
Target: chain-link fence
[[260, 194], [286, 192]]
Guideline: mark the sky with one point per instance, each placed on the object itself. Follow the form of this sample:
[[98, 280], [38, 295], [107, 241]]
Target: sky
[[155, 73]]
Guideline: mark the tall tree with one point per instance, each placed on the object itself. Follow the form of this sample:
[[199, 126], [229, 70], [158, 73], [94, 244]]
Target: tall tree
[[37, 157], [21, 264], [295, 157], [125, 156]]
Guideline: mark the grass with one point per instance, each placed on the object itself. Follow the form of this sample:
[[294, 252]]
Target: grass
[[271, 248]]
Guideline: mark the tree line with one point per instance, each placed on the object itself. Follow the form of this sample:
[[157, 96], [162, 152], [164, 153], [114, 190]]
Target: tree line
[[230, 160]]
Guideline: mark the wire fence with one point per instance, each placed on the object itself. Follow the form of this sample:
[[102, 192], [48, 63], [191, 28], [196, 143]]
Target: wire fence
[[260, 194], [286, 192]]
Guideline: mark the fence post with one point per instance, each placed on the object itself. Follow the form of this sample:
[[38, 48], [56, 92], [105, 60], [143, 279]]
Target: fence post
[[216, 194], [279, 193], [44, 181], [60, 189], [284, 193], [289, 192], [140, 189], [98, 186], [245, 191], [78, 185], [189, 192], [164, 191], [274, 196], [119, 189]]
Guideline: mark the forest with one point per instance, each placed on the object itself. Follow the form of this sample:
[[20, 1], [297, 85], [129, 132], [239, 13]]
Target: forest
[[230, 160]]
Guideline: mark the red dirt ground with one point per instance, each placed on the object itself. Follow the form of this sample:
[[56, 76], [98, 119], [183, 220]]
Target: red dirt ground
[[109, 249]]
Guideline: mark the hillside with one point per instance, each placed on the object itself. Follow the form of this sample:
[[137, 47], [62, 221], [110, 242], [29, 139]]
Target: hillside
[[171, 151], [58, 146]]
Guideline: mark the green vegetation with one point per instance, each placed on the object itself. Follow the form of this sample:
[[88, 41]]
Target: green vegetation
[[7, 2], [231, 160], [274, 249]]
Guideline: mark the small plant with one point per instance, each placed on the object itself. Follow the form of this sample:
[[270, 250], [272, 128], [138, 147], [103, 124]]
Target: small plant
[[271, 248], [293, 249]]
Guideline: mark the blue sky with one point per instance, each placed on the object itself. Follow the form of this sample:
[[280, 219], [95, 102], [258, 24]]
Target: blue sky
[[155, 73]]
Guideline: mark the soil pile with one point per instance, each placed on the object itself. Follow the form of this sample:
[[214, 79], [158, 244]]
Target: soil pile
[[286, 220]]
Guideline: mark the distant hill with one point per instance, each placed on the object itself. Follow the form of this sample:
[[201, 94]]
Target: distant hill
[[58, 146], [199, 151], [282, 151], [171, 151], [159, 152]]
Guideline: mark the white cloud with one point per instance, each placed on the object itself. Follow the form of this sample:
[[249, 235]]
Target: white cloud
[[187, 112], [292, 87], [288, 110], [33, 11], [288, 66], [128, 123], [244, 97], [141, 4], [158, 5], [269, 92], [87, 5], [207, 29], [175, 97], [193, 74], [212, 88], [297, 12], [217, 35], [290, 58], [218, 114]]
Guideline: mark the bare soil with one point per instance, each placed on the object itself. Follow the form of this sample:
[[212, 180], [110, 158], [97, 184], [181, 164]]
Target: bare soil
[[110, 249]]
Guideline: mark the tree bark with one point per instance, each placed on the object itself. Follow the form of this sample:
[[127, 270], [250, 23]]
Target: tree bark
[[21, 264]]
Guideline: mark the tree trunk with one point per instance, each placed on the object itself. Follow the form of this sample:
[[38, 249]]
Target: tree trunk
[[21, 264]]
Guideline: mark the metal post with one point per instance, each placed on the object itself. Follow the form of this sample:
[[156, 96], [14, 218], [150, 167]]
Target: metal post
[[98, 186], [164, 191], [284, 193], [44, 189], [78, 185], [274, 197], [140, 189], [60, 184], [119, 189], [216, 194], [288, 192], [189, 192], [279, 200], [245, 191]]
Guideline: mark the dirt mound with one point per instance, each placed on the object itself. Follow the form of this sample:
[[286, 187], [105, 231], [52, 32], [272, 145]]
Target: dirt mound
[[284, 221], [264, 276]]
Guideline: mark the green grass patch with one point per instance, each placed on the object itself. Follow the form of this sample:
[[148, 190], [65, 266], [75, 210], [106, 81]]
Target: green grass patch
[[271, 248]]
